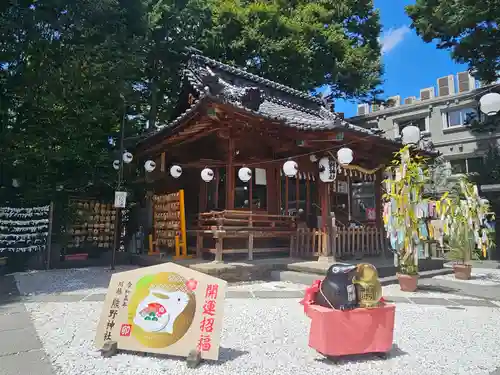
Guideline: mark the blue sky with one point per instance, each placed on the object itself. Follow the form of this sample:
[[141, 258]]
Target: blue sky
[[410, 64]]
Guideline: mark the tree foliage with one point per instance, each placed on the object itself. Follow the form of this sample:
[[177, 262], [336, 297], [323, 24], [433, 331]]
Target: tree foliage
[[469, 29], [303, 44], [70, 71]]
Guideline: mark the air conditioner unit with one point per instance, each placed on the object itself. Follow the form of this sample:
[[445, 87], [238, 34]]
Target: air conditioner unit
[[376, 107], [363, 109], [410, 100], [393, 101], [465, 82], [427, 93], [446, 85]]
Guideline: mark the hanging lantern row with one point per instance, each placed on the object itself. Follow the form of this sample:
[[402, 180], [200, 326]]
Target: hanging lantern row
[[127, 158], [290, 167]]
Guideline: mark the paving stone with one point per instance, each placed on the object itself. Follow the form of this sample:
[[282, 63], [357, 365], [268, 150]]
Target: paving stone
[[54, 298], [95, 297], [239, 294], [19, 340], [431, 301], [29, 363], [11, 308], [397, 299], [474, 302], [10, 322], [278, 294]]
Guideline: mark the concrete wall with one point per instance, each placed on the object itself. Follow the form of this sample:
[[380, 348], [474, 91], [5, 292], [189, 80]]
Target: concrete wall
[[454, 143]]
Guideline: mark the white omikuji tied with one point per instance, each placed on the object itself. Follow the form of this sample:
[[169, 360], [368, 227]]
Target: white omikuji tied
[[290, 168], [245, 174], [23, 229], [175, 171], [207, 175], [116, 164]]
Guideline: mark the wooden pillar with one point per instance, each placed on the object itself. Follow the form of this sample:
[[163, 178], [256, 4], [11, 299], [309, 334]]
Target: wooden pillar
[[230, 175], [349, 199], [323, 196], [202, 199], [273, 192]]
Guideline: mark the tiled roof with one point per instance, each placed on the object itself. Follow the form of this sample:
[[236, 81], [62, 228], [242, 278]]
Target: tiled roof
[[228, 84]]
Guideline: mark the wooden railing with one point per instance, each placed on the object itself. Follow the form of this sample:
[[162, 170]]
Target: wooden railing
[[338, 242], [243, 232]]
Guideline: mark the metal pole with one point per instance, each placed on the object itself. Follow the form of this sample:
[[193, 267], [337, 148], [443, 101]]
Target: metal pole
[[116, 242]]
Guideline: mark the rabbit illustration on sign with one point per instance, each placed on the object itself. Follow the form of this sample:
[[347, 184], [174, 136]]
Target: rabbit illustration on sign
[[159, 310]]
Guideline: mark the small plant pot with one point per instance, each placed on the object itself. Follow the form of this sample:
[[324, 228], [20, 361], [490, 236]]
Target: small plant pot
[[407, 283], [462, 271]]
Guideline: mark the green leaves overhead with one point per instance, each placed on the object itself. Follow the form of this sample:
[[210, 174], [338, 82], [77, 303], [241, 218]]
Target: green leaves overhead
[[301, 43], [469, 29], [69, 70]]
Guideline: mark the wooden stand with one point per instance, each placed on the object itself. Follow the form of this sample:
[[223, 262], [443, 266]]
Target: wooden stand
[[336, 333]]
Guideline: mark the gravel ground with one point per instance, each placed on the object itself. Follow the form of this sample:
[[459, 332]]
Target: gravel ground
[[486, 277], [96, 279], [270, 337], [72, 281], [394, 290]]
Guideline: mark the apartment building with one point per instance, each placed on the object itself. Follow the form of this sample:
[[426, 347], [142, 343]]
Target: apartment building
[[440, 113]]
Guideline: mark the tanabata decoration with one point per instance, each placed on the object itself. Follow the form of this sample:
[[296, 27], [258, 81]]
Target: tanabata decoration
[[24, 229]]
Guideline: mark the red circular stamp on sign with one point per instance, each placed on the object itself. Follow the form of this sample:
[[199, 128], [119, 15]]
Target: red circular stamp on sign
[[192, 284], [125, 330]]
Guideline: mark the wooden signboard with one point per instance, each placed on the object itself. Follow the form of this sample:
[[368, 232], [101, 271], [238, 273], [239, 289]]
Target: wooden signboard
[[170, 222], [164, 309]]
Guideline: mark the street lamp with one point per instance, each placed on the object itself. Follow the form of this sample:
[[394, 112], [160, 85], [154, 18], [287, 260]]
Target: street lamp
[[489, 104], [410, 135]]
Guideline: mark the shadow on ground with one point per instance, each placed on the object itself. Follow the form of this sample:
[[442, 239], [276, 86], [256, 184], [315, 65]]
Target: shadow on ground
[[225, 355], [437, 289], [393, 353], [62, 280]]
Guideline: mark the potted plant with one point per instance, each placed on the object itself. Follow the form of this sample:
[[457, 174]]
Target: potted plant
[[464, 213], [404, 186]]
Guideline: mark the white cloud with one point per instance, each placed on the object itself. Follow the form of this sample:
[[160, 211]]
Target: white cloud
[[392, 37]]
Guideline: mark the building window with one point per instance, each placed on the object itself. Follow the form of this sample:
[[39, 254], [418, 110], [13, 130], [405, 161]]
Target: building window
[[469, 165], [458, 117]]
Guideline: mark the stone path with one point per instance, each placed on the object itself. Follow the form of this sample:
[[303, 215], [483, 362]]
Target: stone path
[[21, 352], [448, 302]]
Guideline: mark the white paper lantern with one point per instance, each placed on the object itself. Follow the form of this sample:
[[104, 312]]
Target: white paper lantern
[[116, 164], [149, 166], [245, 174], [15, 183], [207, 175], [345, 156], [327, 169], [490, 103], [290, 168], [175, 171], [127, 157], [410, 135]]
